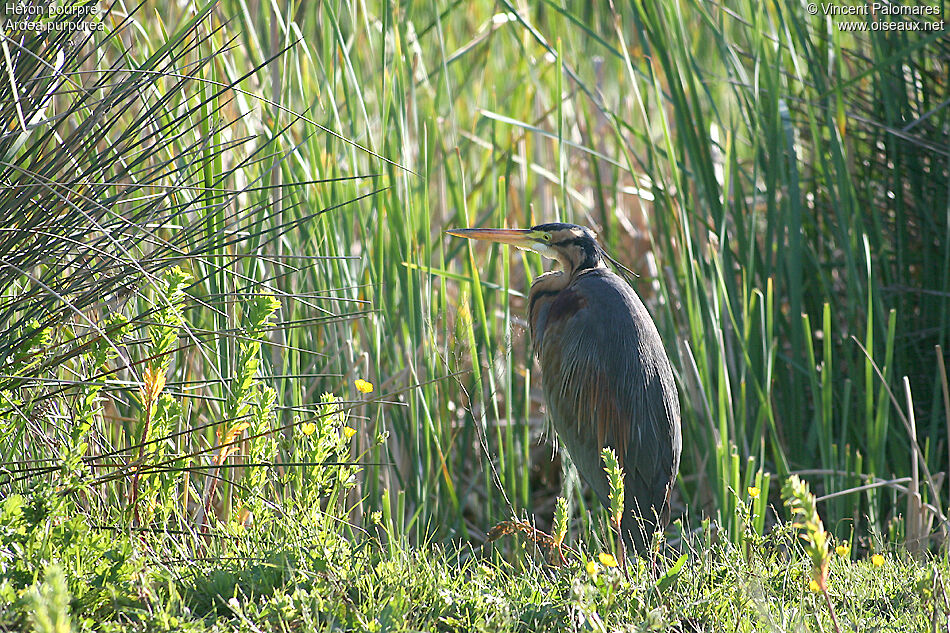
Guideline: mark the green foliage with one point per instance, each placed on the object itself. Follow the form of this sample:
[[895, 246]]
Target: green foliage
[[50, 560], [167, 320], [666, 581], [615, 482], [100, 352], [263, 451], [258, 319], [157, 489], [560, 521], [324, 444], [817, 541], [34, 342], [161, 413], [48, 603], [220, 588], [805, 517]]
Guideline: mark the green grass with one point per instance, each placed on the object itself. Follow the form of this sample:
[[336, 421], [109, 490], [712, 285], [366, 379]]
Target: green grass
[[291, 575], [780, 186]]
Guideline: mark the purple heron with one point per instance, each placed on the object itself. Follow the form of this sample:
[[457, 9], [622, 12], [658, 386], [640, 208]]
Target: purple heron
[[605, 374]]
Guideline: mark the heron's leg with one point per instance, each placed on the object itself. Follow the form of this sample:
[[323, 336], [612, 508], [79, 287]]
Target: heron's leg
[[654, 567], [622, 550]]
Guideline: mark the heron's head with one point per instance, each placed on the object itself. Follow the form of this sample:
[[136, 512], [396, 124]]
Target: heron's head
[[575, 247]]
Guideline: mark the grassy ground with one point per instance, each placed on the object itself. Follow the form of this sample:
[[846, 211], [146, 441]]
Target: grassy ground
[[293, 577], [223, 217]]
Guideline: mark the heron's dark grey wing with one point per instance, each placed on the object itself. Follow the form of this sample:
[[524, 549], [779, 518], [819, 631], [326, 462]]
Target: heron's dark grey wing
[[608, 382]]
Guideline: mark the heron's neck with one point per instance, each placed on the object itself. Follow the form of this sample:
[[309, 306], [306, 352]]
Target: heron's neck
[[549, 284], [543, 292], [547, 287]]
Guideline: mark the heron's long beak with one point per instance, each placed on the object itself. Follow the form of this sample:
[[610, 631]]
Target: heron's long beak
[[521, 238]]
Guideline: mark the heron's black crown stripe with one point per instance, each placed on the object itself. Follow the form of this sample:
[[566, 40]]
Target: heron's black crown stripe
[[591, 252]]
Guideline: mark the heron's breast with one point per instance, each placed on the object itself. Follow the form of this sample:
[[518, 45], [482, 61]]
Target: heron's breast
[[549, 311]]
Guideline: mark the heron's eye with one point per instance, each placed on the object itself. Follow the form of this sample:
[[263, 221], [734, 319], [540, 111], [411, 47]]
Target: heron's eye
[[546, 237]]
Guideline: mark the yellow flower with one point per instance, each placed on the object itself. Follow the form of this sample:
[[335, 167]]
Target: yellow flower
[[842, 550], [364, 386], [814, 586], [591, 568], [877, 560], [308, 428], [349, 431], [753, 492], [607, 560]]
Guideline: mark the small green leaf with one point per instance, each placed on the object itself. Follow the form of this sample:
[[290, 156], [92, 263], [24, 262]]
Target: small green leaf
[[667, 579]]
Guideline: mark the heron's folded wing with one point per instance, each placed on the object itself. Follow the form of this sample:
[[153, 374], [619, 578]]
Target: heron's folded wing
[[608, 383]]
